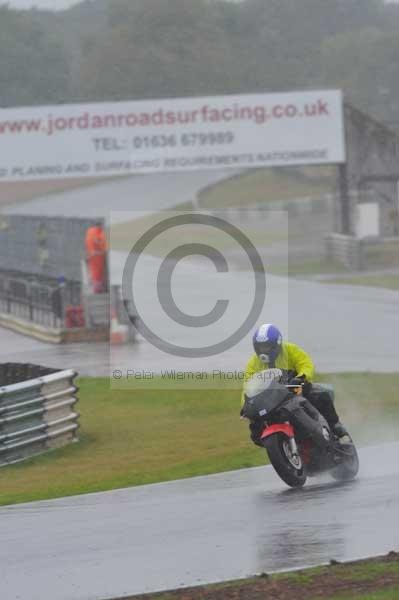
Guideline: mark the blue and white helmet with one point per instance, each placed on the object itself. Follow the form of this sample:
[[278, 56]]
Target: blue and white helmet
[[267, 341]]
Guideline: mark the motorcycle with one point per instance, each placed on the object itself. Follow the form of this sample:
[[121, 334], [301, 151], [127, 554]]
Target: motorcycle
[[297, 438]]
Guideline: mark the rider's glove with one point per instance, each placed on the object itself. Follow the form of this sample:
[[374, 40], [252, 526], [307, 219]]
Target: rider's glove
[[301, 381]]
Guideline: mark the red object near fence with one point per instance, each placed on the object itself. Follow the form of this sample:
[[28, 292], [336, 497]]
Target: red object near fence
[[74, 317]]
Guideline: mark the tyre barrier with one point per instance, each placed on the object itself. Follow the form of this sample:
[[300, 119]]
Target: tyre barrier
[[37, 410]]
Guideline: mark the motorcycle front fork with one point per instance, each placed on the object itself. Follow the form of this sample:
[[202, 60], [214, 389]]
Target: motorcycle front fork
[[293, 447]]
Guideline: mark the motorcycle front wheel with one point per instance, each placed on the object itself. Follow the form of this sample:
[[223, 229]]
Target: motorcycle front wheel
[[288, 466]]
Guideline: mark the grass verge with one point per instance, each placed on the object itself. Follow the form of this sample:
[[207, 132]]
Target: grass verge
[[260, 186], [125, 235], [133, 437], [390, 282], [374, 579], [382, 255], [306, 267]]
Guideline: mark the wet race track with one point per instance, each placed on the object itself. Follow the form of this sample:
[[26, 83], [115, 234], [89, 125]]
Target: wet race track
[[139, 194], [224, 526], [313, 324], [317, 316], [195, 531]]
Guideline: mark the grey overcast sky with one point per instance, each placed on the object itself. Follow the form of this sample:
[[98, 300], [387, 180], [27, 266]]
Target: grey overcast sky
[[49, 4], [57, 4]]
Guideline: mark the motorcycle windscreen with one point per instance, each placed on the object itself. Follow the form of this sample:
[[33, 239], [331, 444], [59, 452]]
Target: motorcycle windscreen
[[263, 395]]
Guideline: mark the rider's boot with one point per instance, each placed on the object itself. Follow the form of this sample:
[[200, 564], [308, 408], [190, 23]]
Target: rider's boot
[[339, 430]]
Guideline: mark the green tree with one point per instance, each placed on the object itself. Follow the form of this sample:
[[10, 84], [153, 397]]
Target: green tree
[[365, 64], [173, 48], [33, 65]]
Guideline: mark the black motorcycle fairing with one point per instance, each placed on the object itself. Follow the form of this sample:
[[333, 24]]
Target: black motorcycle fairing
[[267, 401], [308, 421]]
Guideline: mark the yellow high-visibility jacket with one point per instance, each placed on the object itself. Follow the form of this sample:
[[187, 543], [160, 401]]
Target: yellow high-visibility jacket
[[291, 358]]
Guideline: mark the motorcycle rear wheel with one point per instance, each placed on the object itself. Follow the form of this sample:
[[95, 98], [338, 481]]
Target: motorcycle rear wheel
[[291, 469]]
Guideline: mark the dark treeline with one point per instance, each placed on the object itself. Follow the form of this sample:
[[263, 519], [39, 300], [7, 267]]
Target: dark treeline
[[130, 49]]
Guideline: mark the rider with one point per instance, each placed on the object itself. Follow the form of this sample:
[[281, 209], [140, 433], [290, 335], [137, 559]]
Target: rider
[[272, 352]]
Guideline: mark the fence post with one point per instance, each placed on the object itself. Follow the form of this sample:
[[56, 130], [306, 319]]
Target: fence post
[[30, 303], [8, 297], [344, 199]]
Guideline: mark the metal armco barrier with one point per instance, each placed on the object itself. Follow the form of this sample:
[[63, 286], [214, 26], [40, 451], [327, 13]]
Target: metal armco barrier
[[37, 410]]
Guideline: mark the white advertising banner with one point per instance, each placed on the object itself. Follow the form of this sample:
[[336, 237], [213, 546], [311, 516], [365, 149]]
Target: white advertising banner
[[177, 134]]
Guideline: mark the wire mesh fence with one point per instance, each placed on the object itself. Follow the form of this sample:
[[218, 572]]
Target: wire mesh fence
[[46, 246]]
